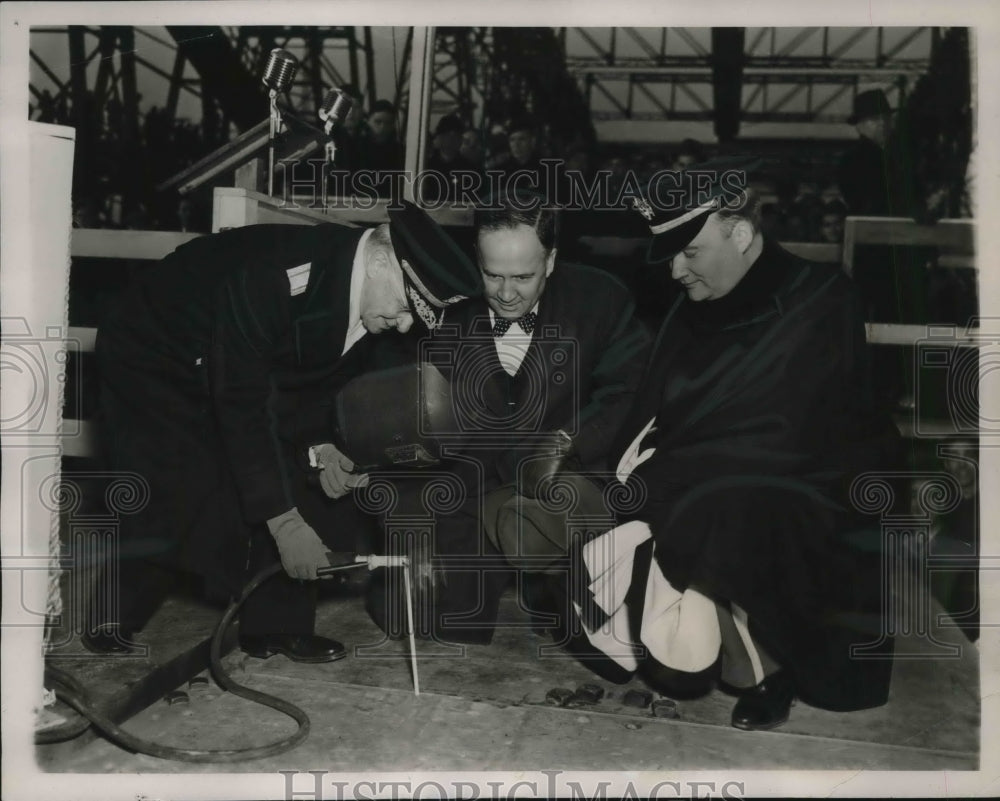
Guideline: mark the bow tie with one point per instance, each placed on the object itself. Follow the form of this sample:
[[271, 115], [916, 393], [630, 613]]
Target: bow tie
[[502, 325]]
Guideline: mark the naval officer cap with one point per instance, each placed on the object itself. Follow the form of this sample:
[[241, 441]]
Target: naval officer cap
[[436, 272], [676, 204]]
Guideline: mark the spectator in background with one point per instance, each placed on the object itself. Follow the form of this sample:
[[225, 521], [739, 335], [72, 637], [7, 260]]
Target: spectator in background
[[497, 149], [876, 178], [690, 152], [446, 160], [522, 143], [380, 149], [832, 222], [793, 226], [874, 175], [472, 149], [579, 159]]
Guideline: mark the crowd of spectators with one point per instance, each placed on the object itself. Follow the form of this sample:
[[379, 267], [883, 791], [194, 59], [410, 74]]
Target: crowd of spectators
[[117, 169], [115, 182], [807, 211]]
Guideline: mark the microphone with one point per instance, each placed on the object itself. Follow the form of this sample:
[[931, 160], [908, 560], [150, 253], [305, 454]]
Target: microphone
[[280, 70], [278, 75], [334, 110]]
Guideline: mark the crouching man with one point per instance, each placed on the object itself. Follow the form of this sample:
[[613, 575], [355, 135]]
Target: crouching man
[[745, 562], [543, 369]]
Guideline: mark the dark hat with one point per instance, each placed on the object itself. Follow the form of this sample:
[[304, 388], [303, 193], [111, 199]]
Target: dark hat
[[436, 272], [676, 204], [872, 103], [449, 123]]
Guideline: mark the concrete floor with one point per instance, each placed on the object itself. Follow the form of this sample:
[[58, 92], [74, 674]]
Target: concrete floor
[[483, 708]]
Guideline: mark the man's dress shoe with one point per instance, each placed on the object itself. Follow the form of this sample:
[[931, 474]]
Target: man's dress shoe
[[108, 641], [297, 647], [766, 705]]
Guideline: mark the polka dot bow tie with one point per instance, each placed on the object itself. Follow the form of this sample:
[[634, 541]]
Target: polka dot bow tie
[[502, 325]]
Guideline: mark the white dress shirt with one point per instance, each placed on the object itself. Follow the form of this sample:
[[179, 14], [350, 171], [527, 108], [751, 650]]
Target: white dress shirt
[[513, 345], [355, 328]]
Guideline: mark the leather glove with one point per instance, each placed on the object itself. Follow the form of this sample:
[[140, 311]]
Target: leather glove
[[551, 456], [301, 549], [336, 477]]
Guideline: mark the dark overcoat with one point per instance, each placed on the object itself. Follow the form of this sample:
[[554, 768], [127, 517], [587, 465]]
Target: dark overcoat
[[765, 415], [214, 375]]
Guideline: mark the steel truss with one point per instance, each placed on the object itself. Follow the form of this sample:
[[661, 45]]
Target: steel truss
[[787, 75]]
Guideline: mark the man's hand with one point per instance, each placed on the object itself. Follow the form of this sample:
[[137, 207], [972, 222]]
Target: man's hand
[[336, 477], [549, 458], [301, 549]]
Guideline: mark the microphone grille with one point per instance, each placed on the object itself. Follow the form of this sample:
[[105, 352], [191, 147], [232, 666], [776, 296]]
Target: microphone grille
[[280, 70], [336, 106]]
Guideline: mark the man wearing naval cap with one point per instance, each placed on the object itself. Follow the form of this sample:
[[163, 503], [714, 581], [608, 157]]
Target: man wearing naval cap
[[745, 563], [217, 366]]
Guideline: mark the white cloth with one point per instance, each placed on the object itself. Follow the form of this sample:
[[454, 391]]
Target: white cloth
[[355, 328], [631, 459], [679, 629], [513, 345], [298, 278]]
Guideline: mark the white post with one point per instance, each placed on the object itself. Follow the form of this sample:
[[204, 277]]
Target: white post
[[34, 290], [418, 111]]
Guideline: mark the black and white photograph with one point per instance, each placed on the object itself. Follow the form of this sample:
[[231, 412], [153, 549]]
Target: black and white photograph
[[461, 401]]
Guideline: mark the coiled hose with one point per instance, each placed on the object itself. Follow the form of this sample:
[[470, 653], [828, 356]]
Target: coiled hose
[[71, 692]]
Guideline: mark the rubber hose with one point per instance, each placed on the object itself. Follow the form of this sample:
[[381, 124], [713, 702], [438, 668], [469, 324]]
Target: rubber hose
[[69, 690]]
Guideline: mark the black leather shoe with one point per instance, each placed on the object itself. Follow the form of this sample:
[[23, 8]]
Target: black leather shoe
[[297, 647], [108, 641], [766, 705]]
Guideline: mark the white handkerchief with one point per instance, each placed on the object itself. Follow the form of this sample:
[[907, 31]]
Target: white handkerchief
[[631, 459], [298, 278]]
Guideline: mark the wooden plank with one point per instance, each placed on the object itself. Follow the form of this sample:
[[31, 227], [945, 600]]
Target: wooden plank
[[233, 208], [956, 235], [105, 243], [375, 212], [953, 260], [896, 334], [824, 252]]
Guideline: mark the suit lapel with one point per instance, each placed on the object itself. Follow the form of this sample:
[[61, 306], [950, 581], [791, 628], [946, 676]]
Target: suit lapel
[[536, 358], [321, 312]]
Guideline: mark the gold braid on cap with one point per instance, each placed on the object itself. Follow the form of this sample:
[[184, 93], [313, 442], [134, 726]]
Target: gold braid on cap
[[678, 221], [429, 296], [422, 308]]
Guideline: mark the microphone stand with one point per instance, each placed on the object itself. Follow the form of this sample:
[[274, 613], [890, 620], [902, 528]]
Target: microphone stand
[[273, 130], [329, 153]]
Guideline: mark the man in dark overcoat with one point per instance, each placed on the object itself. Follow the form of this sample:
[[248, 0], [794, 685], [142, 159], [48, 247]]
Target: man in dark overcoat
[[543, 369], [218, 367], [753, 418]]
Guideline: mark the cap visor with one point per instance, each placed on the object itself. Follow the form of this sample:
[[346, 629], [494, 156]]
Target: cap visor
[[668, 244]]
